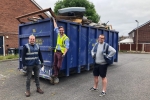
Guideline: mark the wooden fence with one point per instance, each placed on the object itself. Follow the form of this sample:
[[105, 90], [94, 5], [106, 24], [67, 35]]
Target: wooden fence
[[145, 47]]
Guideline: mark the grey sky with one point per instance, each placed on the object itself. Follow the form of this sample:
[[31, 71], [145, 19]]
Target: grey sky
[[121, 14]]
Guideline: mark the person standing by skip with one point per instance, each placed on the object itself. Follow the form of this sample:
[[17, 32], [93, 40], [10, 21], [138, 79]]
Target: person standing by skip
[[61, 49], [100, 67], [30, 58]]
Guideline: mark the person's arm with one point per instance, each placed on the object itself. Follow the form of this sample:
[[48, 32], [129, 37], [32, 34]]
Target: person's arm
[[55, 26], [40, 56], [66, 46], [92, 51], [24, 51], [65, 51], [112, 51], [54, 22]]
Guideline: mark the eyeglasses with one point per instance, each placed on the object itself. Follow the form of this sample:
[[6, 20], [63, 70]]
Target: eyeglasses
[[101, 38], [61, 30]]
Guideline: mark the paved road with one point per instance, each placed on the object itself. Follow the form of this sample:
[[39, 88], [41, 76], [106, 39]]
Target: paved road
[[129, 79]]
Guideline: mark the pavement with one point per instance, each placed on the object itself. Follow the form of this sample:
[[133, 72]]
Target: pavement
[[129, 79]]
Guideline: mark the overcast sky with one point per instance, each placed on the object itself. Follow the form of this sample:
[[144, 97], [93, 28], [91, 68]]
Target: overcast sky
[[121, 14]]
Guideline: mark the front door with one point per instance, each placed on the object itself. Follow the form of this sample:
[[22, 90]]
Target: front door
[[1, 45]]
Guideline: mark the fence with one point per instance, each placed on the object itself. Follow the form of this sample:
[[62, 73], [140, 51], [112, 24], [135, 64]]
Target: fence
[[144, 47]]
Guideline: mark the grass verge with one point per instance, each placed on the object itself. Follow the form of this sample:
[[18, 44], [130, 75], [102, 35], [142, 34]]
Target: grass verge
[[9, 57]]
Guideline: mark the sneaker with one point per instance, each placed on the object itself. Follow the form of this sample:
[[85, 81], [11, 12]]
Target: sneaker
[[93, 89], [102, 94]]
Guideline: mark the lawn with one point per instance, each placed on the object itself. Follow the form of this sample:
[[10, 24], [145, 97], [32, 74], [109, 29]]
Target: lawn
[[9, 57]]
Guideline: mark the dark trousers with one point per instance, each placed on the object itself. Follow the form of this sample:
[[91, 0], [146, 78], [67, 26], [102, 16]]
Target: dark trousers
[[57, 62], [29, 75]]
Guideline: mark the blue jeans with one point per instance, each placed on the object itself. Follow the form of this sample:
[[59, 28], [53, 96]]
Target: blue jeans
[[35, 69]]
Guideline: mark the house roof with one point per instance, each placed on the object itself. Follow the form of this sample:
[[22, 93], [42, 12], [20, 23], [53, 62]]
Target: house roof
[[127, 40], [36, 4], [139, 26]]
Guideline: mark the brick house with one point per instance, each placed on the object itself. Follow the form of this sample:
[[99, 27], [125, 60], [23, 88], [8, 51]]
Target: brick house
[[143, 39], [143, 33], [10, 9]]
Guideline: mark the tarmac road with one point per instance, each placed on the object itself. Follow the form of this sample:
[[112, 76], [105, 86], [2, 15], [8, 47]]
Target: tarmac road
[[129, 79]]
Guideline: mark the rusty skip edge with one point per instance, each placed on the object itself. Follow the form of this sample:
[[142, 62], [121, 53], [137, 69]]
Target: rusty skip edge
[[36, 12]]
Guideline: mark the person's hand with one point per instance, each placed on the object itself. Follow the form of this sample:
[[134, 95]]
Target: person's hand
[[94, 56], [108, 57], [53, 19], [104, 53], [63, 55]]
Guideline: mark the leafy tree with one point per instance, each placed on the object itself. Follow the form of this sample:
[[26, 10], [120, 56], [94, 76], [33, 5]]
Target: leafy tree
[[90, 8]]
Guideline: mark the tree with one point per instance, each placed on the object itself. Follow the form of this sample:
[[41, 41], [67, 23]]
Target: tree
[[90, 13]]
